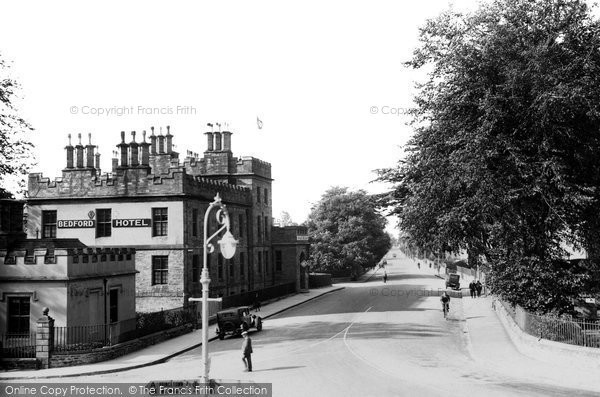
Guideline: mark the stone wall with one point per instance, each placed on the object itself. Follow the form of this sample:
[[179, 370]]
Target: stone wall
[[108, 353]]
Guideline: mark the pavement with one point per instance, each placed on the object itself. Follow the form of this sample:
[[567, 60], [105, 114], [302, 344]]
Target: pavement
[[491, 347], [166, 350]]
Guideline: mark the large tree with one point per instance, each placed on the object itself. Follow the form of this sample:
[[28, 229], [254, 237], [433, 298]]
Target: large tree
[[15, 148], [504, 161], [346, 231]]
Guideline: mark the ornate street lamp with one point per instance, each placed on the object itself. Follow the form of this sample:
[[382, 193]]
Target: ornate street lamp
[[227, 246]]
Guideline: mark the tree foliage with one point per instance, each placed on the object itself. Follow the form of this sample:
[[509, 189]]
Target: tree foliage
[[286, 220], [346, 231], [15, 148], [504, 159]]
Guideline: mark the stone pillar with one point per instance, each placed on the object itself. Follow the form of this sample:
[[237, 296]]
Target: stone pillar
[[44, 338]]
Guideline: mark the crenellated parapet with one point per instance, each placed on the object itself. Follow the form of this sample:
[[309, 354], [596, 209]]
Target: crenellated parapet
[[126, 182], [252, 165], [198, 186]]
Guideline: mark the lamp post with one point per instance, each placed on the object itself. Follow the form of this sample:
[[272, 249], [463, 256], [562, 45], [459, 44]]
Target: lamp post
[[227, 246]]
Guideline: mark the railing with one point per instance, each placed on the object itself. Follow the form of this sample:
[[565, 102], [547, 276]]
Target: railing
[[571, 331], [17, 345], [575, 332], [88, 337]]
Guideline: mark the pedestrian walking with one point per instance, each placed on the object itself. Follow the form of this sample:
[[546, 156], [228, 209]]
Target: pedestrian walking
[[256, 303], [478, 288], [418, 265], [384, 277], [472, 289], [247, 352]]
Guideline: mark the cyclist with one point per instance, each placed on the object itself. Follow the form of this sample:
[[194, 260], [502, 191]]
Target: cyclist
[[445, 299]]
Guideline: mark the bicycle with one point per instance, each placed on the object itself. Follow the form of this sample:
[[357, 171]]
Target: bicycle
[[446, 310]]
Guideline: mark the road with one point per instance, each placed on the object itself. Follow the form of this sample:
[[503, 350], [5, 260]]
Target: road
[[369, 339]]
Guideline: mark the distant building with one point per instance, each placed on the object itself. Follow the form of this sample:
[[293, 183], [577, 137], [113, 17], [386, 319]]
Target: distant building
[[155, 203], [80, 285], [290, 246]]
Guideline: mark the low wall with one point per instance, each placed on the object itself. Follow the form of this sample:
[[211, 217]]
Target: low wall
[[107, 353], [318, 280], [19, 363], [576, 356]]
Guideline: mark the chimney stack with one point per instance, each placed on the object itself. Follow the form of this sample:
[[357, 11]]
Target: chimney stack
[[145, 151], [227, 141], [89, 149], [209, 138], [169, 140], [153, 141], [135, 161], [69, 148], [123, 147], [161, 142], [98, 162], [217, 141], [79, 151], [115, 161]]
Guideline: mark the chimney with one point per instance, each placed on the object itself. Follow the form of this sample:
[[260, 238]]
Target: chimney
[[227, 141], [69, 148], [161, 143], [98, 162], [123, 146], [79, 151], [217, 141], [209, 138], [169, 140], [135, 161], [153, 141], [115, 161], [145, 151], [89, 150]]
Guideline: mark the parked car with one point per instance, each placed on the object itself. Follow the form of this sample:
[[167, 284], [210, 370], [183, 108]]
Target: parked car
[[235, 320], [453, 281]]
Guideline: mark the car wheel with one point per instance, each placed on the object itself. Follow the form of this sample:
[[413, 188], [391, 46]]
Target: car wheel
[[259, 324], [221, 335]]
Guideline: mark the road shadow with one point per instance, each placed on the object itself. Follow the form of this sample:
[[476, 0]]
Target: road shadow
[[324, 330], [278, 368]]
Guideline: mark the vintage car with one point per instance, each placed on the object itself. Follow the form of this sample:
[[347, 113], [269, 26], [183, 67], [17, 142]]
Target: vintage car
[[235, 320], [453, 281]]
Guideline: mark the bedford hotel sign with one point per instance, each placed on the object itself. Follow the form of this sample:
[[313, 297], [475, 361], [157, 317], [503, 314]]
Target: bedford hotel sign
[[90, 223]]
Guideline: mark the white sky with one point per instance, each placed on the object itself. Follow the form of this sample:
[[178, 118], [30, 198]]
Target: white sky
[[310, 70]]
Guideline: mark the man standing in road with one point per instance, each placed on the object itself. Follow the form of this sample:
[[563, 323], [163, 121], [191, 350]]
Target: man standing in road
[[247, 351]]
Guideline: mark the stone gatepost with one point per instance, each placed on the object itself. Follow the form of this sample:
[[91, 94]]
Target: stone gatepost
[[44, 338]]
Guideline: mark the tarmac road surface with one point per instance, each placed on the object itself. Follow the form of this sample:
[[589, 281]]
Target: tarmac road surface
[[369, 339]]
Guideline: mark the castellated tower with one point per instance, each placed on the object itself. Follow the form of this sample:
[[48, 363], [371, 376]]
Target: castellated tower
[[155, 203]]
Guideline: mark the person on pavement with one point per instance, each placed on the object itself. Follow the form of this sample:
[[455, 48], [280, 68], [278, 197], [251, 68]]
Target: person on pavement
[[472, 289], [478, 288], [445, 299], [247, 351], [384, 277]]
